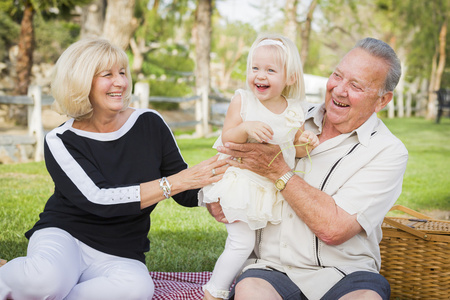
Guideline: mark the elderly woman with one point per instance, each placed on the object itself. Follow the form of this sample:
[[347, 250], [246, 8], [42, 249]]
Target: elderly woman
[[111, 164]]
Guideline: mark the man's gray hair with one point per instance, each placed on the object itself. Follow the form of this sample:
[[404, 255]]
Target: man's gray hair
[[384, 51]]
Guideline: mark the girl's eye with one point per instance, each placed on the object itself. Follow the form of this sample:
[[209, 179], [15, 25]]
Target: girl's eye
[[254, 68], [271, 70]]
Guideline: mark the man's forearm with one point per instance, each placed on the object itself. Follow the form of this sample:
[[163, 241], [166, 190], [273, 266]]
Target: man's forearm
[[329, 222]]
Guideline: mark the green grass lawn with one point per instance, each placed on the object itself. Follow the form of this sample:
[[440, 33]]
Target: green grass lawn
[[189, 239]]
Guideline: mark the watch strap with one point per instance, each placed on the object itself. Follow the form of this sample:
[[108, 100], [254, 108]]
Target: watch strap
[[285, 178]]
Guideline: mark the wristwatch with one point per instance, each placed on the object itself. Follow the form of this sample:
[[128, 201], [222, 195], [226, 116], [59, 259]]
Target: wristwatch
[[281, 182]]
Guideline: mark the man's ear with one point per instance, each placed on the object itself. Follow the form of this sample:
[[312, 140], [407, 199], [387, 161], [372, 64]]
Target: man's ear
[[383, 101]]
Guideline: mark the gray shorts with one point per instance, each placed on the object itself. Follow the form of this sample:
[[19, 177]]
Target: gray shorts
[[288, 290]]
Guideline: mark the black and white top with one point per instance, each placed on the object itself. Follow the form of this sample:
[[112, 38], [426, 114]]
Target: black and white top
[[97, 178]]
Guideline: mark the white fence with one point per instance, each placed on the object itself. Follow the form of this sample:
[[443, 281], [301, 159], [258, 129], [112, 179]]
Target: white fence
[[29, 146]]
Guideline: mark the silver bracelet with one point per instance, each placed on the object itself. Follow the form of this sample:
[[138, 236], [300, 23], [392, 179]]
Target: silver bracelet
[[165, 186]]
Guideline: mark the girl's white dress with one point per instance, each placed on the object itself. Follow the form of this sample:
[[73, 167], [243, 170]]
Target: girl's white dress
[[247, 196]]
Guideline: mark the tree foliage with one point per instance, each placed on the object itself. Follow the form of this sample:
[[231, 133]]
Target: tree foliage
[[9, 33], [419, 23], [164, 34]]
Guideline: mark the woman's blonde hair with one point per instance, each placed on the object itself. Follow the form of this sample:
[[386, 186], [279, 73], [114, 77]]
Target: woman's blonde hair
[[289, 58], [76, 68]]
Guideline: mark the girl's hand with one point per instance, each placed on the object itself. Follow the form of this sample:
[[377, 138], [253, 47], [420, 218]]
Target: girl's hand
[[307, 137], [257, 130]]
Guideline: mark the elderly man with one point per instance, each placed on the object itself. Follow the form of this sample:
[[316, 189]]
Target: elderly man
[[327, 246]]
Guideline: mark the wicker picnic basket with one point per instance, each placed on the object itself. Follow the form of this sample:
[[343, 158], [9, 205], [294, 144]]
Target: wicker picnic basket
[[415, 256]]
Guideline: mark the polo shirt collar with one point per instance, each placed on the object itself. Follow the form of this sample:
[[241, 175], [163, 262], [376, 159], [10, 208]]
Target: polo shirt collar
[[363, 132]]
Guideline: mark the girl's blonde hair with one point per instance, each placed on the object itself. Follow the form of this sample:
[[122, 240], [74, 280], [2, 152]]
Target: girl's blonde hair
[[289, 58], [76, 68]]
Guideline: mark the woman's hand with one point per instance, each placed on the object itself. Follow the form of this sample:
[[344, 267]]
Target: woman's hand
[[263, 159], [204, 173], [198, 176]]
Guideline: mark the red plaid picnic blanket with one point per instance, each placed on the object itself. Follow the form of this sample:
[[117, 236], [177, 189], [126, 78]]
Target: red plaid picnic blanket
[[179, 285]]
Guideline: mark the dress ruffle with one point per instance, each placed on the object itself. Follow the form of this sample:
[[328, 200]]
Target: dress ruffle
[[246, 196]]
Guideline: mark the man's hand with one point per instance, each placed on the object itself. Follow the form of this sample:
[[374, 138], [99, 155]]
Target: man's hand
[[215, 209], [263, 159]]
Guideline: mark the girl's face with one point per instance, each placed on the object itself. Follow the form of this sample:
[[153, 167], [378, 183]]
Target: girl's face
[[107, 90], [266, 77]]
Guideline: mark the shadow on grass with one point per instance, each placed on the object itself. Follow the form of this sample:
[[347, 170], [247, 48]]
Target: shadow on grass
[[184, 251], [12, 249]]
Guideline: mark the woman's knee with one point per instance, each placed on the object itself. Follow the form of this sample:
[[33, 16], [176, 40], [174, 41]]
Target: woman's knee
[[136, 287], [143, 286], [47, 281]]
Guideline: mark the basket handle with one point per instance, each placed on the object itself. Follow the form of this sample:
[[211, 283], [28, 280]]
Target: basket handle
[[410, 211], [403, 227]]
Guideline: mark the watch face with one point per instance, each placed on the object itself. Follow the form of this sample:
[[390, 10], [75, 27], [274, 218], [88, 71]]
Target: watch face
[[279, 184]]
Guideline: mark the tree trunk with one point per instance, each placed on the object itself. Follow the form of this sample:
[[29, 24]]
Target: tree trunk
[[138, 43], [290, 28], [306, 32], [92, 19], [437, 71], [202, 35], [413, 89], [422, 99], [400, 92], [229, 61], [26, 48], [138, 56], [120, 22]]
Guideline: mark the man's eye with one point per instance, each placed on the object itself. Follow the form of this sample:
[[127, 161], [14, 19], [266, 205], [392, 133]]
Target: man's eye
[[356, 87]]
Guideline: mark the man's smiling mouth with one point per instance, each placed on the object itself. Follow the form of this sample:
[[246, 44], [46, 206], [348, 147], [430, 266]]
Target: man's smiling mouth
[[340, 104]]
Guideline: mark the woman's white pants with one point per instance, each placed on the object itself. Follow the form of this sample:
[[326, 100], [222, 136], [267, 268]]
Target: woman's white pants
[[58, 266]]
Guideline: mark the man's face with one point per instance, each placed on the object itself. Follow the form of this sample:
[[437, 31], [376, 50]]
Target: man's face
[[352, 90]]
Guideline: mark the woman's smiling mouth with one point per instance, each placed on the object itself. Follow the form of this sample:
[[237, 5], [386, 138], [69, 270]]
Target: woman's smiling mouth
[[115, 94]]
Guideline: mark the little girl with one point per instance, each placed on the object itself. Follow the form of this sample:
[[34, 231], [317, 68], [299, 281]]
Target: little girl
[[269, 111]]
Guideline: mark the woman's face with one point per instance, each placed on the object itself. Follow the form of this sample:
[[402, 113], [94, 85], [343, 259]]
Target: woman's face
[[108, 88]]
